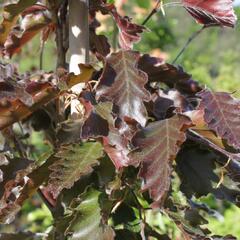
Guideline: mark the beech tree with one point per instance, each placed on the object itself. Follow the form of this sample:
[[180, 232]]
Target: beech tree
[[128, 132]]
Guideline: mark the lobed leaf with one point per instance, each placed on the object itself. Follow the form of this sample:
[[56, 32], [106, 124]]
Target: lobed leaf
[[221, 113], [123, 83], [157, 146], [129, 33]]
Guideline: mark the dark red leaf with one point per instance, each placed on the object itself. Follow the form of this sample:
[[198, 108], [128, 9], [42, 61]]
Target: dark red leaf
[[172, 76], [221, 113], [126, 87], [212, 12], [157, 146]]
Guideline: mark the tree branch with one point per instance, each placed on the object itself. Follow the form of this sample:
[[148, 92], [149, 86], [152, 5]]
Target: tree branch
[[154, 11]]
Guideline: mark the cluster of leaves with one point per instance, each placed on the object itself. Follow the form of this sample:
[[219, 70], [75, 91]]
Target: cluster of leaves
[[145, 124]]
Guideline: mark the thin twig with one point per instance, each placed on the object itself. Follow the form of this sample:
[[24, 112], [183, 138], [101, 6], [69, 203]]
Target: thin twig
[[46, 202], [193, 36], [41, 55], [159, 5], [199, 138], [154, 10]]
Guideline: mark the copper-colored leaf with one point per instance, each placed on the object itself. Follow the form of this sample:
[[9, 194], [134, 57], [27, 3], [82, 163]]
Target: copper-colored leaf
[[34, 20], [123, 83], [42, 90], [10, 16], [200, 126], [221, 113], [213, 12], [158, 145]]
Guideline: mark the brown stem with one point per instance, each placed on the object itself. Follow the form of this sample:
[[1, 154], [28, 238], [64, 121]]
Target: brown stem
[[154, 11], [199, 138]]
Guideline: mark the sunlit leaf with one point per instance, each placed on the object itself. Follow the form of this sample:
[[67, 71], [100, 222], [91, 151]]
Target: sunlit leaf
[[42, 88], [123, 83], [217, 12], [221, 113]]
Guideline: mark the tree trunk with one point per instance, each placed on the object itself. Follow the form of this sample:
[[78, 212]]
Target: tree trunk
[[78, 42]]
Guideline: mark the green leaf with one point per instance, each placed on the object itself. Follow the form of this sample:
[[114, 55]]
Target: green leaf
[[74, 161], [86, 220], [143, 4]]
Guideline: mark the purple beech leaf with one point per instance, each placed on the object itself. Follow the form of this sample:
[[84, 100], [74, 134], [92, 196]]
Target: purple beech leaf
[[98, 121], [221, 113], [212, 12], [195, 167], [99, 44], [157, 146], [12, 173], [126, 88], [73, 162], [129, 33], [172, 76], [101, 123]]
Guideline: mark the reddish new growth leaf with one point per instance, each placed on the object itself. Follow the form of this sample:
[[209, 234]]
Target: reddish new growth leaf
[[129, 33], [221, 112], [123, 83], [212, 12], [158, 145]]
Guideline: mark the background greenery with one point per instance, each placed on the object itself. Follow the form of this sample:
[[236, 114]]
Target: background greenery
[[213, 59]]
